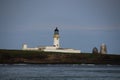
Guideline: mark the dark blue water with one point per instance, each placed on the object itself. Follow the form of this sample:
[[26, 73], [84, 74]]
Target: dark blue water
[[59, 72]]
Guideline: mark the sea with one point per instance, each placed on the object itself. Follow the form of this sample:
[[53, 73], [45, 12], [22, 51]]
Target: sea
[[59, 72]]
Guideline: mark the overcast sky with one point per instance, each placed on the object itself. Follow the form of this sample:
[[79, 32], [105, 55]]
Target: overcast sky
[[83, 24]]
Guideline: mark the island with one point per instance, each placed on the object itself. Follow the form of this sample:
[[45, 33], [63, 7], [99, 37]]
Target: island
[[41, 57]]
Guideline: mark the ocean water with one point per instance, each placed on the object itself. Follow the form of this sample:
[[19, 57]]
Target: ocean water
[[59, 72]]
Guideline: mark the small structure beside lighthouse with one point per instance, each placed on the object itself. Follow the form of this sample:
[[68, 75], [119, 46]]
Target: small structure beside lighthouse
[[103, 49], [55, 48]]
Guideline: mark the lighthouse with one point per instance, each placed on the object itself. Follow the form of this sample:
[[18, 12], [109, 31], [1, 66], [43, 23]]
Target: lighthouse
[[55, 47], [56, 38]]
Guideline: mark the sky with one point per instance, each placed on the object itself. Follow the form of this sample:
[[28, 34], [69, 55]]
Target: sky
[[83, 24]]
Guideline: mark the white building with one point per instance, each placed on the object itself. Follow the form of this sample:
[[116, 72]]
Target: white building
[[103, 49], [54, 48]]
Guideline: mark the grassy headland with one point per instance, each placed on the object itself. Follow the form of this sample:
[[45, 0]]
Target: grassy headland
[[39, 57]]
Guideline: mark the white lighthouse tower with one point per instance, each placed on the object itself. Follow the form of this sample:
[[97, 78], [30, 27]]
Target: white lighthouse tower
[[56, 38]]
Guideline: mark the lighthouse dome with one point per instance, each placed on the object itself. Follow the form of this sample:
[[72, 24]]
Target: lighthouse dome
[[56, 31]]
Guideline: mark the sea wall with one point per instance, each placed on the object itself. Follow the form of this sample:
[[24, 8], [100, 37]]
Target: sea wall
[[38, 57]]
